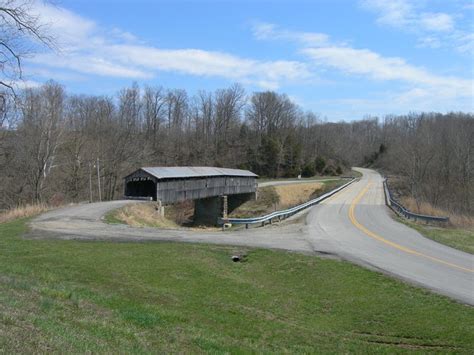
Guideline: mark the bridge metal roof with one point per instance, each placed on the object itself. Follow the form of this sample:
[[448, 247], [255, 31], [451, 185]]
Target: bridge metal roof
[[175, 172]]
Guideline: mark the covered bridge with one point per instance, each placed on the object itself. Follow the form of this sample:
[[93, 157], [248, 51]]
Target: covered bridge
[[176, 184], [215, 191]]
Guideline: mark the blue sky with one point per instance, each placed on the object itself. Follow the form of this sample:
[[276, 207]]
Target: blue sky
[[341, 59]]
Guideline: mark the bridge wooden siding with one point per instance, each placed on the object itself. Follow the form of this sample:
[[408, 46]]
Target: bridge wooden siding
[[176, 184]]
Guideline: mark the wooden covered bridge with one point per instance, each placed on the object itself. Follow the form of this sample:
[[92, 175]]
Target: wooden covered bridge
[[216, 191]]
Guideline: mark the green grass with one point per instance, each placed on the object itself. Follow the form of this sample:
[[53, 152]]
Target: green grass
[[462, 239], [111, 218], [70, 296]]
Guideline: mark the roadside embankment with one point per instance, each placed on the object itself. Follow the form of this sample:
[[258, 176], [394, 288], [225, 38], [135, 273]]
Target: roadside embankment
[[270, 198], [23, 212]]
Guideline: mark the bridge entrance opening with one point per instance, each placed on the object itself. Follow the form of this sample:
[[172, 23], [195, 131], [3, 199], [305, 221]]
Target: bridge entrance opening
[[141, 189]]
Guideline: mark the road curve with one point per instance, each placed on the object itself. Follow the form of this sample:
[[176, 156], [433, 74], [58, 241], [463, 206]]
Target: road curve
[[357, 225], [353, 224]]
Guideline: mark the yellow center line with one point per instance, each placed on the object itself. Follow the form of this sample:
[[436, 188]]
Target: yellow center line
[[388, 242]]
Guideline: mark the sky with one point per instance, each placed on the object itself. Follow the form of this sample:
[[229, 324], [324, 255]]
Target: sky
[[341, 59]]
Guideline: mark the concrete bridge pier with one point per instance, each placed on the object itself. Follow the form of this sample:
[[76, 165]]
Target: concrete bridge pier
[[209, 210]]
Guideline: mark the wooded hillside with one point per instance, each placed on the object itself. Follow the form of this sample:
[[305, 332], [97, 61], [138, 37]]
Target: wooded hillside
[[52, 143]]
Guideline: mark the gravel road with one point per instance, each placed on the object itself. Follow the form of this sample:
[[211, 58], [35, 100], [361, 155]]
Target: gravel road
[[353, 224]]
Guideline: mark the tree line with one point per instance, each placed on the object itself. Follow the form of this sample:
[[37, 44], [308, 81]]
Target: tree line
[[57, 147]]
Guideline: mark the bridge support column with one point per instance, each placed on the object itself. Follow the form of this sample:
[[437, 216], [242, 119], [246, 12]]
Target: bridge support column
[[225, 206], [207, 210], [160, 208]]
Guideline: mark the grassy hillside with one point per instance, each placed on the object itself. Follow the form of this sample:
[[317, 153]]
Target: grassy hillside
[[67, 296], [458, 238]]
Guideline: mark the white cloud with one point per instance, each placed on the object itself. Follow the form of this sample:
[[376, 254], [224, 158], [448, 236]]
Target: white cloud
[[207, 63], [87, 63], [370, 64], [363, 62], [433, 29], [422, 90], [27, 84], [69, 30], [465, 42], [437, 21], [87, 48], [430, 42], [262, 30], [396, 13], [414, 99]]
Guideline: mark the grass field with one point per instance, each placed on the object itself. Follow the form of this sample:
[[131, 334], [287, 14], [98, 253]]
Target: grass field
[[69, 296], [462, 239]]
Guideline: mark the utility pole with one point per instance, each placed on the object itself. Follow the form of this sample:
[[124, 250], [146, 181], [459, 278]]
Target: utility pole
[[98, 180], [90, 182]]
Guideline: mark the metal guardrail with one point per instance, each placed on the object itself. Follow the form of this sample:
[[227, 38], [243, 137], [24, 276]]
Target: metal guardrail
[[284, 213], [401, 210]]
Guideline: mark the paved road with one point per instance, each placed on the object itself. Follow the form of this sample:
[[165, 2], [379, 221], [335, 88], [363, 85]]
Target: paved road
[[354, 224], [84, 222]]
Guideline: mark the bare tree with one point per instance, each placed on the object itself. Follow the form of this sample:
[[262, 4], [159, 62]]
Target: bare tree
[[153, 111], [60, 142], [20, 30], [40, 134]]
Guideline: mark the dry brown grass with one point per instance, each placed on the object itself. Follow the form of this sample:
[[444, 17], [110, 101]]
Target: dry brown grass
[[181, 213], [22, 212], [295, 194], [279, 197], [457, 220], [143, 215]]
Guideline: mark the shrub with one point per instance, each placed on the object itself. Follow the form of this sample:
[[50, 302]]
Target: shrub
[[308, 170], [319, 164]]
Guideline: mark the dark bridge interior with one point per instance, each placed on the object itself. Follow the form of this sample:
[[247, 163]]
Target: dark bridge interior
[[141, 189]]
